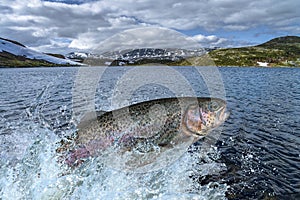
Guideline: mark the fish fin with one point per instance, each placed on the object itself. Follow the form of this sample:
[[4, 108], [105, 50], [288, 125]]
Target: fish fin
[[89, 117]]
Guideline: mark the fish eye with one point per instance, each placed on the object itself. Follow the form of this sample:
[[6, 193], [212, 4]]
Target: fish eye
[[213, 106]]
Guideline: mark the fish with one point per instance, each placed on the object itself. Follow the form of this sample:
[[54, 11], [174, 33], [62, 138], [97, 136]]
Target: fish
[[146, 135]]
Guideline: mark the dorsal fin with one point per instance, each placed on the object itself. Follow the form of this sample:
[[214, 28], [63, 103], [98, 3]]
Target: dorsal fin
[[89, 117]]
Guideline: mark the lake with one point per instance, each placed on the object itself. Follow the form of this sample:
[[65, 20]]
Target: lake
[[255, 154]]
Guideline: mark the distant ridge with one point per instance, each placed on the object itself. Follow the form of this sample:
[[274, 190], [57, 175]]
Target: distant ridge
[[281, 41], [281, 51], [12, 41], [15, 54]]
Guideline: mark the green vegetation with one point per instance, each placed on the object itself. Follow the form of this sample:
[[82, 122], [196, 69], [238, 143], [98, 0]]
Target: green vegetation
[[10, 60], [283, 51], [204, 60]]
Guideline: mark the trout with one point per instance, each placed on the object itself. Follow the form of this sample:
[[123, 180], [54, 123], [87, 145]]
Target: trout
[[144, 135]]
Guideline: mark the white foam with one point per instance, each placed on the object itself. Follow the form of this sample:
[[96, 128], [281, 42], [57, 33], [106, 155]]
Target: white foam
[[38, 175]]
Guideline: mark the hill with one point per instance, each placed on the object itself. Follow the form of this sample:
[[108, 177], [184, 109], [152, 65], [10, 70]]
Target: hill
[[282, 51], [146, 56], [15, 54]]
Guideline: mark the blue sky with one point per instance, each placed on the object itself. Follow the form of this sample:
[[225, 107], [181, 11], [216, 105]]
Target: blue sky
[[61, 26]]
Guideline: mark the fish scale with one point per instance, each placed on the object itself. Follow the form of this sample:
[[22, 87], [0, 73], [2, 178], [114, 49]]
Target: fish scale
[[146, 128]]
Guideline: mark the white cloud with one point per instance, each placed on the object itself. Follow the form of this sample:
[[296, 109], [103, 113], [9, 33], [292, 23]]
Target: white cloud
[[211, 40], [148, 37], [36, 23]]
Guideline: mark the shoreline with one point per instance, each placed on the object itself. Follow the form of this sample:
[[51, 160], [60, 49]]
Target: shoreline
[[78, 66]]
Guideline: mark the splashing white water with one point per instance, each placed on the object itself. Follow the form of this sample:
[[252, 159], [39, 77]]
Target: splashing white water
[[38, 175], [29, 167]]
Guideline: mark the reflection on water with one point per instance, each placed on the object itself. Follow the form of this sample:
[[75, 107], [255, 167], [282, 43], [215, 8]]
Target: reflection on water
[[257, 155]]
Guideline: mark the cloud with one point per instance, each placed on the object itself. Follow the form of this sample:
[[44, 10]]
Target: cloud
[[71, 1], [5, 9], [209, 41], [147, 37], [215, 41], [79, 24]]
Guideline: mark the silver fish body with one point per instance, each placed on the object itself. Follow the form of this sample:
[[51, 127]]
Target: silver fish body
[[146, 135]]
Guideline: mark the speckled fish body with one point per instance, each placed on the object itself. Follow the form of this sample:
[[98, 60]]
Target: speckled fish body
[[141, 132]]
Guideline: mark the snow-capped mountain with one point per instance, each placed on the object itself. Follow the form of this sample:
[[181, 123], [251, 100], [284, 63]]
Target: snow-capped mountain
[[78, 56], [13, 51], [171, 54], [135, 56], [145, 55]]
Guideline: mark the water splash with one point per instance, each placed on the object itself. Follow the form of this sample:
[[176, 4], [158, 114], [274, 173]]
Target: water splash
[[39, 176], [29, 167]]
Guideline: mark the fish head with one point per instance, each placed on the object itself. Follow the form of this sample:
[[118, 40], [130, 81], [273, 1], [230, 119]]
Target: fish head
[[208, 114]]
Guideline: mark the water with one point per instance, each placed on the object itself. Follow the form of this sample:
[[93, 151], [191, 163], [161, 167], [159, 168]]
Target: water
[[256, 155]]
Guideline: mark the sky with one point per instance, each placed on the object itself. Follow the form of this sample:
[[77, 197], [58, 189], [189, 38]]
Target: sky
[[62, 26]]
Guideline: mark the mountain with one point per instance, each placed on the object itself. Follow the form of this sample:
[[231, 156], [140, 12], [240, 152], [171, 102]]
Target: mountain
[[282, 51], [135, 56], [78, 56], [281, 41], [142, 56], [15, 54]]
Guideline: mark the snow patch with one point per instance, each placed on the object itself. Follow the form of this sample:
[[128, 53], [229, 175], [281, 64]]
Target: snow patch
[[31, 54], [263, 64]]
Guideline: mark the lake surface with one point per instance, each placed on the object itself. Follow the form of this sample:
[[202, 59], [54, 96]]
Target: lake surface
[[254, 155]]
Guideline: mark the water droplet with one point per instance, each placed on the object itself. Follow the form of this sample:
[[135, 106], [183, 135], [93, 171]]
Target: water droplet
[[250, 156]]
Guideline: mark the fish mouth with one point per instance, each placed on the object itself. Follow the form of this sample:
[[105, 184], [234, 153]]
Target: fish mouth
[[221, 116]]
